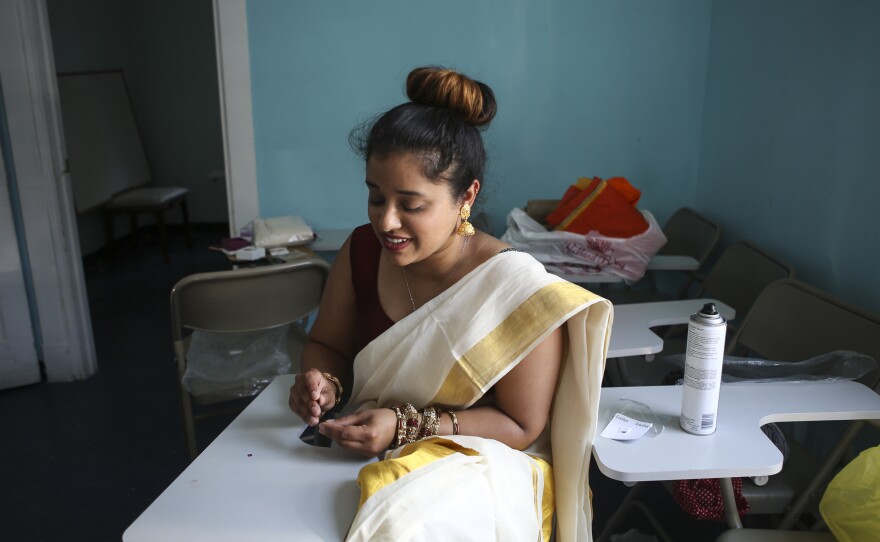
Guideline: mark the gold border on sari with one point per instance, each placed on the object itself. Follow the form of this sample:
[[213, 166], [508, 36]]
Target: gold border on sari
[[472, 373]]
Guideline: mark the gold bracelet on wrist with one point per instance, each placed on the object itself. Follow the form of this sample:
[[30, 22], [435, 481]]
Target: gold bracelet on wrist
[[413, 422], [454, 421], [431, 425], [400, 437], [336, 384]]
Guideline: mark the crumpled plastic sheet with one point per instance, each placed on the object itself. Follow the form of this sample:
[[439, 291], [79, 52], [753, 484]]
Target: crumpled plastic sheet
[[233, 365], [836, 365]]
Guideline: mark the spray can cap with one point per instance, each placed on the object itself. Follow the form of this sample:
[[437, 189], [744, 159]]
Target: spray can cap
[[709, 310]]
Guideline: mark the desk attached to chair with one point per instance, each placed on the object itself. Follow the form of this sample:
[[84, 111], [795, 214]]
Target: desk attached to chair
[[738, 448], [631, 333]]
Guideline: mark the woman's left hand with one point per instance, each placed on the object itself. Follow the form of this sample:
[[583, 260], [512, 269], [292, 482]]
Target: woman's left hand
[[368, 432]]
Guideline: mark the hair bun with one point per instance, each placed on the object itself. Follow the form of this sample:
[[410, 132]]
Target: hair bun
[[441, 87]]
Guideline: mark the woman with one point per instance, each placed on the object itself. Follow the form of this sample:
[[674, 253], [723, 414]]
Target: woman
[[459, 352]]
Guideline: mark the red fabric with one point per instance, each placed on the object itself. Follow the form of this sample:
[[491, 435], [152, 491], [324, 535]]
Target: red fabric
[[364, 251], [702, 498], [606, 207]]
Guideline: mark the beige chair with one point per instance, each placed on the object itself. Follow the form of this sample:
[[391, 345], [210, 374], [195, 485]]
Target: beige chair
[[781, 534], [737, 279], [241, 300], [793, 321], [741, 274], [688, 233]]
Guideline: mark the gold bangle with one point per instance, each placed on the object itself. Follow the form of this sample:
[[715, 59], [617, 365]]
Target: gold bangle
[[454, 421], [336, 384], [413, 422], [401, 428], [431, 424]]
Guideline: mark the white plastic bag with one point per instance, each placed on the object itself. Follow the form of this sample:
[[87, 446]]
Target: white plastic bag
[[575, 254], [282, 231], [232, 365]]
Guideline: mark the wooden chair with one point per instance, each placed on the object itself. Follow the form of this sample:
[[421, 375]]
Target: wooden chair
[[154, 200], [242, 300]]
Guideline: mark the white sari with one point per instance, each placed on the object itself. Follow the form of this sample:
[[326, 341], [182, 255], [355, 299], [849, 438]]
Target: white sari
[[452, 351]]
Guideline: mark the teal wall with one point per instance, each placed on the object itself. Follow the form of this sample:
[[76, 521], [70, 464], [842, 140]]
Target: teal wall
[[762, 114], [791, 136], [584, 88]]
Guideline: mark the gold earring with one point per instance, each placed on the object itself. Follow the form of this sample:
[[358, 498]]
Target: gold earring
[[465, 229]]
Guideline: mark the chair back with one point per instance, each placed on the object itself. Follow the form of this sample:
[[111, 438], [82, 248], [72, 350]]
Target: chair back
[[540, 209], [688, 233], [242, 300], [741, 274], [248, 299], [792, 321]]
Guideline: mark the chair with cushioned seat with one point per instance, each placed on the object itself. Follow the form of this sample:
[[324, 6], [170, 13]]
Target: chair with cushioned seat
[[155, 200]]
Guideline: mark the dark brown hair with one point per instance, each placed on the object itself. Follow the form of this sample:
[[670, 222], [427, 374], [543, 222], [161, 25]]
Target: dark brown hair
[[441, 124]]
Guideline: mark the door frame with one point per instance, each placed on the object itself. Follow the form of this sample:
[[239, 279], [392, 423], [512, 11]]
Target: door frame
[[236, 111], [27, 72]]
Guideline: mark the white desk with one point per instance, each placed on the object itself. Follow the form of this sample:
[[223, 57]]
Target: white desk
[[738, 447], [258, 482], [631, 333], [330, 240]]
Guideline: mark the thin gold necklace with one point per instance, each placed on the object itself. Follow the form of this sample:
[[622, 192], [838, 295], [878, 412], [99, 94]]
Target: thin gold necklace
[[449, 276]]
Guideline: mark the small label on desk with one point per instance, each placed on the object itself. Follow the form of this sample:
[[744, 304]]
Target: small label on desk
[[625, 428]]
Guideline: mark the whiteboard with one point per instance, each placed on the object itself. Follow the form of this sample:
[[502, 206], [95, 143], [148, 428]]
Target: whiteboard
[[104, 148]]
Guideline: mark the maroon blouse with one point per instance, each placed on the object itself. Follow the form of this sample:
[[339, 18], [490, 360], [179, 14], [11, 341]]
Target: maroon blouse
[[364, 251]]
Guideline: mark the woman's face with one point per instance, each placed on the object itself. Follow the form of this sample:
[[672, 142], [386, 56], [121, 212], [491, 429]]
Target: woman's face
[[413, 217]]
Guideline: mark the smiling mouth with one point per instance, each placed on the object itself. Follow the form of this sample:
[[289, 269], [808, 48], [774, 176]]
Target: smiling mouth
[[395, 244]]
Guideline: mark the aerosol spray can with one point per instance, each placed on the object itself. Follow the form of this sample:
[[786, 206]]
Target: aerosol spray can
[[702, 371]]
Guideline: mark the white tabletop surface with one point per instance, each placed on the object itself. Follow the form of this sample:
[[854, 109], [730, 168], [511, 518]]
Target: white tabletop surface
[[258, 482], [330, 240], [631, 333], [738, 447]]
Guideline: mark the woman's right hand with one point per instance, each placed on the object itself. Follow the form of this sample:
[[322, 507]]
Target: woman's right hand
[[311, 396]]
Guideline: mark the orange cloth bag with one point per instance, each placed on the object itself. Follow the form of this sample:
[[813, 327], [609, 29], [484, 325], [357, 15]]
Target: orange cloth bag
[[603, 206]]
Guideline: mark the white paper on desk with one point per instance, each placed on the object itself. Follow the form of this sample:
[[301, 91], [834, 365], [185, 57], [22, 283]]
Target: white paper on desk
[[625, 428]]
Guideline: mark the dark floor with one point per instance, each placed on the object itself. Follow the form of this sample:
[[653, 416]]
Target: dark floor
[[81, 460]]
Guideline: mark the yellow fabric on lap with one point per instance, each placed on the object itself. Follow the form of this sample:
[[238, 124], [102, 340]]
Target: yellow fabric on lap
[[380, 474], [377, 475]]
